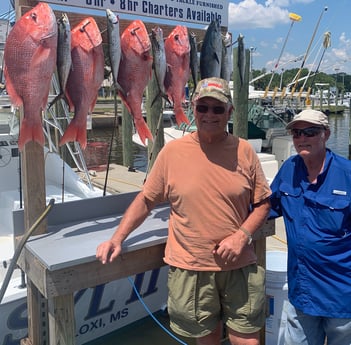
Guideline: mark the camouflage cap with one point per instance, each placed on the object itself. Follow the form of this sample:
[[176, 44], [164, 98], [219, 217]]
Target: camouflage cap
[[215, 88]]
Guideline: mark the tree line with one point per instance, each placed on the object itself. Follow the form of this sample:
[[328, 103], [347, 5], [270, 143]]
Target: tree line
[[341, 81]]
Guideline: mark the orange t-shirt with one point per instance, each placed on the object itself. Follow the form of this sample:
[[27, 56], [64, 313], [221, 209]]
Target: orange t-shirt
[[210, 188]]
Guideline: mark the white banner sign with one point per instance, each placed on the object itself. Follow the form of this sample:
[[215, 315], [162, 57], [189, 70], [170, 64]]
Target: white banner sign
[[192, 11]]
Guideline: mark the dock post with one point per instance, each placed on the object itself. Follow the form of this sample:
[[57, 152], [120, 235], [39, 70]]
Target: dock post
[[127, 142], [154, 116], [240, 94]]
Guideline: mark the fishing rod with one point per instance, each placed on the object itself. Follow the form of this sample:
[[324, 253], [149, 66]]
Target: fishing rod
[[308, 48]]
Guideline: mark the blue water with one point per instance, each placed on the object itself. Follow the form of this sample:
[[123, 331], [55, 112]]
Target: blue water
[[340, 132]]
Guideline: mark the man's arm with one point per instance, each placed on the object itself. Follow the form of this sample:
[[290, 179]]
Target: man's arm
[[135, 215], [231, 247]]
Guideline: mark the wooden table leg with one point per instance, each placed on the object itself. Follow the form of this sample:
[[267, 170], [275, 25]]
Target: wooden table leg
[[62, 324]]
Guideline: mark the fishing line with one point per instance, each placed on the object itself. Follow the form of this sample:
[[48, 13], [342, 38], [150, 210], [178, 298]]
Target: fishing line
[[152, 316]]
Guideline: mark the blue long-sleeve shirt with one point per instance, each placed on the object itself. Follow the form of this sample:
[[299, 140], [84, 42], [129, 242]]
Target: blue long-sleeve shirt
[[318, 226]]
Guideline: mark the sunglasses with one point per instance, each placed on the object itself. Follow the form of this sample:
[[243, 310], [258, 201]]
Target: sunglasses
[[217, 109], [307, 132]]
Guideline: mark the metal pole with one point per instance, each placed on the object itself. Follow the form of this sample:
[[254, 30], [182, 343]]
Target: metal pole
[[296, 79]]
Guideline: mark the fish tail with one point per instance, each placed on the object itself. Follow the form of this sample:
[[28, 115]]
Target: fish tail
[[30, 132], [143, 131], [180, 116], [75, 132]]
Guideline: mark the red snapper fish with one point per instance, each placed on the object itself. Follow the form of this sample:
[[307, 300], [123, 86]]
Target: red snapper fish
[[30, 61], [135, 72], [177, 47], [84, 79]]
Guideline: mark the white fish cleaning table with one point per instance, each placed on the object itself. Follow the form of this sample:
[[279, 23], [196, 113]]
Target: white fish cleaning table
[[63, 261]]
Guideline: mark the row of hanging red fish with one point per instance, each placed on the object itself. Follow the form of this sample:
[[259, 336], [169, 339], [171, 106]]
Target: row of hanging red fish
[[38, 45]]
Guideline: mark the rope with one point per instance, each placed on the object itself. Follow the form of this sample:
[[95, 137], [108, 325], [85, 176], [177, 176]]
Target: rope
[[20, 246]]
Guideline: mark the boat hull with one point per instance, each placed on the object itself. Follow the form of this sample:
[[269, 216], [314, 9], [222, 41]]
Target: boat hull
[[98, 311]]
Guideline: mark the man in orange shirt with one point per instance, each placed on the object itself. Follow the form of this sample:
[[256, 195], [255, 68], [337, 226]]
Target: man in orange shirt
[[218, 197]]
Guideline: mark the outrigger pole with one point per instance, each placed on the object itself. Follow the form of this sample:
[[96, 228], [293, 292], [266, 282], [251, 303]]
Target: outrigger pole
[[326, 45], [296, 79], [294, 18]]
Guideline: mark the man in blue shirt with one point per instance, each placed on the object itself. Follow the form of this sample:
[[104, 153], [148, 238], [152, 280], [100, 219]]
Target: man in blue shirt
[[312, 191]]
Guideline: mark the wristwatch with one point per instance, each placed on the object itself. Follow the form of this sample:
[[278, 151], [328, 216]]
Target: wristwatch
[[247, 233]]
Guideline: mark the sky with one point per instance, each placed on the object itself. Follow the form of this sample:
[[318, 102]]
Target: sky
[[277, 42], [266, 26]]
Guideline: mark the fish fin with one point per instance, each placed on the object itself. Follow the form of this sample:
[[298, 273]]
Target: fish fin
[[217, 58], [180, 116], [15, 98], [119, 88], [30, 132], [75, 132], [143, 130], [124, 100]]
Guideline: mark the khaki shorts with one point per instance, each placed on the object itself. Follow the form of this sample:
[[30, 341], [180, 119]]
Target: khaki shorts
[[198, 300]]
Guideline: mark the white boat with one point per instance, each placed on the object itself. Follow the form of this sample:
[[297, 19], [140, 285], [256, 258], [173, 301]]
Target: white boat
[[115, 301]]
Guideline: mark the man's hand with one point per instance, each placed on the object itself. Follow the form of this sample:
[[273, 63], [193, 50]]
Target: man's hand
[[108, 251], [231, 247]]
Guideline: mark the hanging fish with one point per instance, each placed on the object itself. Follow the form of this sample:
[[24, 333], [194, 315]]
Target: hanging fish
[[211, 52], [194, 64], [227, 59], [85, 78], [159, 60], [30, 61], [177, 48], [134, 73], [114, 46], [64, 60]]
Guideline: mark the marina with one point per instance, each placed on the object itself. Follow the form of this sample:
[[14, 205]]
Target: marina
[[59, 293]]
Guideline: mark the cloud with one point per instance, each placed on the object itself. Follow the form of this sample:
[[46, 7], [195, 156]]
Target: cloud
[[344, 41], [248, 14]]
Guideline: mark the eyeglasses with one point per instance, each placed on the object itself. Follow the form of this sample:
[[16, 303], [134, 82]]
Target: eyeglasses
[[307, 132], [217, 109]]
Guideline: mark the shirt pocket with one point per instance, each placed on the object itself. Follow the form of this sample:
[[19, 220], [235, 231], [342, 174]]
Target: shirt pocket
[[333, 213], [290, 199]]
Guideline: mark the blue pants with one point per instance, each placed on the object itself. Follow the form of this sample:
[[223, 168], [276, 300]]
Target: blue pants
[[302, 329]]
